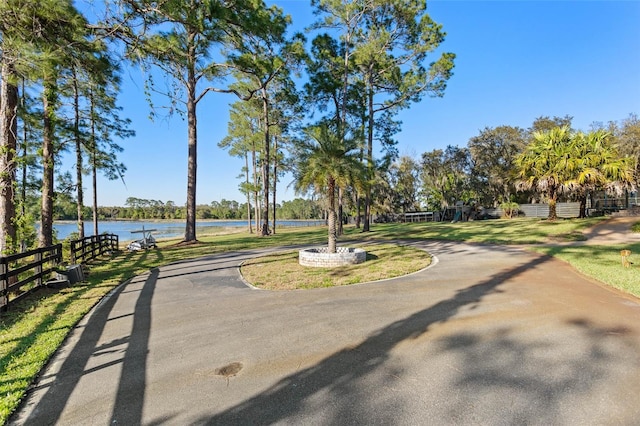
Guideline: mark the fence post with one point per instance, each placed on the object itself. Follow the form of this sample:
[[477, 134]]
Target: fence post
[[105, 243], [37, 257], [4, 285], [94, 244], [73, 252]]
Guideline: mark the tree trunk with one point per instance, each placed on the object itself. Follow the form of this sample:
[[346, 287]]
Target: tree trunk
[[275, 178], [246, 166], [94, 186], [192, 159], [8, 130], [367, 199], [332, 217], [94, 167], [46, 216], [583, 207], [265, 164], [363, 127], [366, 227], [340, 212], [78, 141], [343, 119], [359, 209], [256, 199], [626, 198], [23, 187], [552, 205], [345, 84]]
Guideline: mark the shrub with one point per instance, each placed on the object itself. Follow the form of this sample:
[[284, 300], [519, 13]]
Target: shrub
[[510, 209]]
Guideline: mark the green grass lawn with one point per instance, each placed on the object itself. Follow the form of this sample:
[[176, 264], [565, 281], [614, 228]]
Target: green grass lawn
[[281, 271], [602, 263], [515, 231], [31, 331]]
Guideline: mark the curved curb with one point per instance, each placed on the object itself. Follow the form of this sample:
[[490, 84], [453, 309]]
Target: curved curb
[[434, 261]]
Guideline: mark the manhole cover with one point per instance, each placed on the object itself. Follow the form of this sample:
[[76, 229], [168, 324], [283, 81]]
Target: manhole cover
[[229, 370]]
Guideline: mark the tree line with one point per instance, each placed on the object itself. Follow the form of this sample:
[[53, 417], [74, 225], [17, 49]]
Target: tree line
[[484, 172], [296, 209], [149, 209], [546, 162]]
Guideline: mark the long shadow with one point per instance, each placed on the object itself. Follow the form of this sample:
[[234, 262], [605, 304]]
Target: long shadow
[[58, 392], [174, 271], [23, 309], [339, 373], [131, 386], [52, 403], [25, 342], [213, 257], [199, 271]]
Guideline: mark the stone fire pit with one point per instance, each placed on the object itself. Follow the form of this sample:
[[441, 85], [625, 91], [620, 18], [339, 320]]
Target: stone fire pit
[[319, 257]]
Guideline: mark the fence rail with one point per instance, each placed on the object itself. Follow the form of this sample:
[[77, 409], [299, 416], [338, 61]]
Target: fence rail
[[36, 266], [16, 273], [91, 247]]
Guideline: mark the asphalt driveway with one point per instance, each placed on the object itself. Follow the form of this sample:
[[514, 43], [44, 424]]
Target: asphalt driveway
[[487, 335]]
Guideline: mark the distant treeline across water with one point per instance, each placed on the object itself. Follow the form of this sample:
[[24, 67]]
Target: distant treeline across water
[[123, 228]]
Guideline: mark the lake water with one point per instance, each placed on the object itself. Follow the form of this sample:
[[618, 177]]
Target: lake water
[[123, 228]]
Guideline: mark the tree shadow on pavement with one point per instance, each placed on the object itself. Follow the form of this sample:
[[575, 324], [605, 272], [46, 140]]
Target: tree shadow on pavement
[[344, 372], [573, 375], [504, 366], [130, 396]]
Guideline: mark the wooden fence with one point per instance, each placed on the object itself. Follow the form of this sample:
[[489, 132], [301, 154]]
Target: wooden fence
[[31, 267], [21, 274], [91, 247]]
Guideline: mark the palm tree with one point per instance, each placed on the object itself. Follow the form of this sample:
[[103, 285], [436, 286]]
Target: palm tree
[[557, 160], [546, 165], [598, 166], [326, 164]]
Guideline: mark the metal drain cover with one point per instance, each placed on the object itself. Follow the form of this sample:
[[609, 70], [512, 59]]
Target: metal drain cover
[[229, 370]]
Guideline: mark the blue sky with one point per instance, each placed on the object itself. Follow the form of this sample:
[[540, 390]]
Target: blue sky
[[516, 60]]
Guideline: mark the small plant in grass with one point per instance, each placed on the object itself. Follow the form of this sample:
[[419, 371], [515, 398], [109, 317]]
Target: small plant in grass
[[635, 227]]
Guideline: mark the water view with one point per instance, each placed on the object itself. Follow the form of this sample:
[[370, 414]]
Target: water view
[[123, 229]]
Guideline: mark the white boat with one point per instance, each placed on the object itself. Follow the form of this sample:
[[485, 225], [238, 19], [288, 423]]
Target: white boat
[[146, 242]]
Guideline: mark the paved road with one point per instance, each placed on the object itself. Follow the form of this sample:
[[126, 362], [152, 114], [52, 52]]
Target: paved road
[[615, 230], [488, 335]]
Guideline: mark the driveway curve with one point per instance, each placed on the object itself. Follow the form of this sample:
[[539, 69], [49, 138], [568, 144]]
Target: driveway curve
[[488, 335], [614, 230]]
